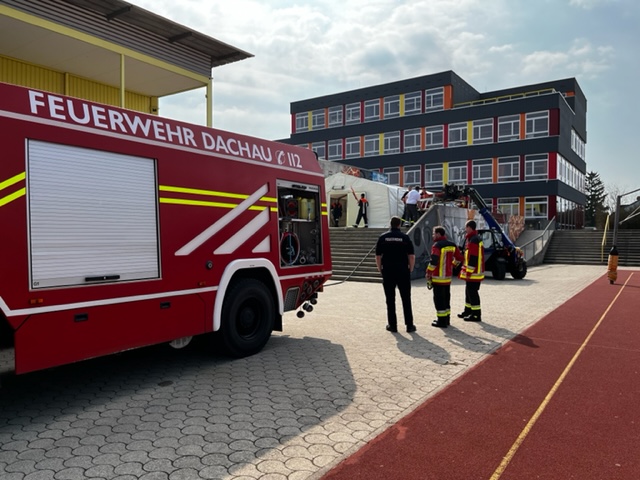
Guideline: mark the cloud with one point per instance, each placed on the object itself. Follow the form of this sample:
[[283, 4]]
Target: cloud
[[305, 49], [310, 49], [501, 49], [589, 4], [580, 60]]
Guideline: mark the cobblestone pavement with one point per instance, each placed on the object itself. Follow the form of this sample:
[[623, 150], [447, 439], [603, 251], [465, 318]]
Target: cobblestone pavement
[[317, 392]]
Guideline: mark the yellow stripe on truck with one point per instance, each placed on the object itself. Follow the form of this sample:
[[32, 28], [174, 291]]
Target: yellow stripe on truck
[[12, 181], [12, 197]]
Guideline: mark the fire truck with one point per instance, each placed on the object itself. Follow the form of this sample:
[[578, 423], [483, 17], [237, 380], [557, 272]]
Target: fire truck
[[122, 230]]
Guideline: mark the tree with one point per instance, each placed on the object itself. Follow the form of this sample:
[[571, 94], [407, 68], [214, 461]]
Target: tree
[[628, 205], [595, 210]]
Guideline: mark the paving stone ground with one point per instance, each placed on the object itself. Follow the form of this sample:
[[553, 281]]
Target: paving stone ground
[[318, 391]]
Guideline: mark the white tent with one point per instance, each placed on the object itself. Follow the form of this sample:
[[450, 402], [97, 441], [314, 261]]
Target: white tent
[[384, 200]]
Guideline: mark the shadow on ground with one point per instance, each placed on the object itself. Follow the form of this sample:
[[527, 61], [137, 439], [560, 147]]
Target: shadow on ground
[[169, 411]]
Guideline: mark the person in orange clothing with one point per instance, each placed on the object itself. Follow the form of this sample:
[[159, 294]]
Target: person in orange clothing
[[472, 273], [363, 204], [445, 255]]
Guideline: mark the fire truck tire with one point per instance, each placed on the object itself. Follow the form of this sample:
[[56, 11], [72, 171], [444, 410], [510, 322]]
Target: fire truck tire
[[248, 316]]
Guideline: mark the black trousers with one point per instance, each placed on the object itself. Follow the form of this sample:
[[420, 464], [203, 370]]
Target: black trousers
[[472, 298], [412, 212], [360, 217], [402, 280], [442, 301]]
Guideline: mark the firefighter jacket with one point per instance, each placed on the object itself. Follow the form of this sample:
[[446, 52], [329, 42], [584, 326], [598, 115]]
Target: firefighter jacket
[[363, 203], [444, 256], [473, 266]]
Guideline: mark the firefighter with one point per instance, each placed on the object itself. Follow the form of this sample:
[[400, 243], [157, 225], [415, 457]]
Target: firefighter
[[363, 204], [445, 255], [336, 212], [472, 273], [395, 259]]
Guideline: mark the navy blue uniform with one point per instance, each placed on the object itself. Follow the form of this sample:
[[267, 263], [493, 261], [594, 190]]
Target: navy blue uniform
[[394, 248]]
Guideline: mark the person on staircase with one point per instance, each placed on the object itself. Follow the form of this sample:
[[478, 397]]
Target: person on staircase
[[445, 255], [363, 204], [412, 205], [395, 259], [472, 273]]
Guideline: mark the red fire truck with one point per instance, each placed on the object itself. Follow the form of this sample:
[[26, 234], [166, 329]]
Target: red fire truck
[[122, 230]]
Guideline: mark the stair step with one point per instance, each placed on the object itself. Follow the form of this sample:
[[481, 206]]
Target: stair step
[[586, 247], [352, 254]]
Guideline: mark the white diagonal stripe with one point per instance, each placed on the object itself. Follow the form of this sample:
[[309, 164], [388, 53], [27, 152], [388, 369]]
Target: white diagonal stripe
[[222, 222], [264, 246], [243, 234]]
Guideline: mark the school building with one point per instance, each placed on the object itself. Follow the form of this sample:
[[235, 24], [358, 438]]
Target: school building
[[521, 148]]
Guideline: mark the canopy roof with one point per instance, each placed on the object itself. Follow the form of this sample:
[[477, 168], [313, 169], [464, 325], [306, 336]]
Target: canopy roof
[[87, 38]]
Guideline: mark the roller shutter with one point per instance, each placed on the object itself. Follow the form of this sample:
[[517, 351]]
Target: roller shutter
[[92, 216]]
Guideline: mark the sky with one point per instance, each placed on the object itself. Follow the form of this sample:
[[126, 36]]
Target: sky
[[309, 48]]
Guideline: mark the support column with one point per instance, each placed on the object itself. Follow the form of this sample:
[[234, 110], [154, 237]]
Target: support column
[[122, 85], [210, 102]]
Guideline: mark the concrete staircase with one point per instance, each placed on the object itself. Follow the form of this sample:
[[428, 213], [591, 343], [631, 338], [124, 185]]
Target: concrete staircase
[[353, 254], [584, 247], [353, 250]]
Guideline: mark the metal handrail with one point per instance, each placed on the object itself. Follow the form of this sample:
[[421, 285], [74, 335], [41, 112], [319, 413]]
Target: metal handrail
[[535, 246], [354, 269], [604, 238]]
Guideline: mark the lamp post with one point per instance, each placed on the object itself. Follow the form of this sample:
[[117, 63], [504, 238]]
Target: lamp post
[[612, 264]]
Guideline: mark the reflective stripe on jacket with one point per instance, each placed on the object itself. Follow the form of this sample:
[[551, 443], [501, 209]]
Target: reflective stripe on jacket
[[473, 268], [444, 255]]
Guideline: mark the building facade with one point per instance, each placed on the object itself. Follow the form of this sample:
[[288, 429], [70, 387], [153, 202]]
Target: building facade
[[522, 149]]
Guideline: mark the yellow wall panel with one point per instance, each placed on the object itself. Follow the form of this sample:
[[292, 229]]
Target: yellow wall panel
[[33, 76], [87, 89], [140, 103]]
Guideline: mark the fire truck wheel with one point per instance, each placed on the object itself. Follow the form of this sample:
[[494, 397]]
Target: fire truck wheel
[[248, 316]]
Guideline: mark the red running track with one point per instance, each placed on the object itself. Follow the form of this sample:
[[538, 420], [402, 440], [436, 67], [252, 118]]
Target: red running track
[[560, 401]]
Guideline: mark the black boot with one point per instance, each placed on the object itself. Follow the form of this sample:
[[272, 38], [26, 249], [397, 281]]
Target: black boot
[[473, 317]]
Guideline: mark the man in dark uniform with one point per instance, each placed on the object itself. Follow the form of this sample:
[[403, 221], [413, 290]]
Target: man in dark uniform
[[445, 255], [395, 259]]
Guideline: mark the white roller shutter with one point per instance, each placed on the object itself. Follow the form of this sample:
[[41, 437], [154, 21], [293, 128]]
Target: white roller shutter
[[92, 215]]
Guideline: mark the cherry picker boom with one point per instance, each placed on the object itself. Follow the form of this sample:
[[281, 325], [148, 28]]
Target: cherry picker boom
[[501, 254]]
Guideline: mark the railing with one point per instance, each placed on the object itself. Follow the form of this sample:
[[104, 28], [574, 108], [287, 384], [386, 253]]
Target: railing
[[604, 238], [514, 96], [536, 246]]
